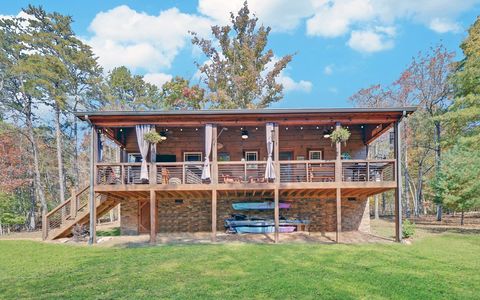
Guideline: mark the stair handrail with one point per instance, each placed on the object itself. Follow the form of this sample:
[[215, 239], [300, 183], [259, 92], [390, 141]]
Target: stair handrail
[[45, 218]]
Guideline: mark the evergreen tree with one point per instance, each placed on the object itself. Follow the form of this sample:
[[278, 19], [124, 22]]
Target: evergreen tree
[[124, 91]]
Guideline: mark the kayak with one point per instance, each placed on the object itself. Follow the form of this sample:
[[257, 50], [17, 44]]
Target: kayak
[[258, 205], [264, 229]]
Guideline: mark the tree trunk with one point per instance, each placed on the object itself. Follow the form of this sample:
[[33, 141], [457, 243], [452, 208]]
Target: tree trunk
[[36, 165], [376, 207], [31, 213], [462, 218], [437, 168], [419, 190], [58, 134], [405, 170], [76, 168], [384, 204]]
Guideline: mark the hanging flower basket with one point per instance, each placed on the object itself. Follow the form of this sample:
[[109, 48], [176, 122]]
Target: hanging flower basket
[[152, 137], [340, 135]]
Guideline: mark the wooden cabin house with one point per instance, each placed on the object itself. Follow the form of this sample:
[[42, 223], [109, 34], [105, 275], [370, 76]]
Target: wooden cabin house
[[208, 160]]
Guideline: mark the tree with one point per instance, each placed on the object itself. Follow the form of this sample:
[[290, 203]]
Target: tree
[[59, 62], [425, 83], [19, 90], [178, 94], [124, 91], [240, 72], [427, 79], [457, 181], [463, 116]]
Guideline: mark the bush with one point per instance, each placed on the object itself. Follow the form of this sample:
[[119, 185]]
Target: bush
[[408, 229]]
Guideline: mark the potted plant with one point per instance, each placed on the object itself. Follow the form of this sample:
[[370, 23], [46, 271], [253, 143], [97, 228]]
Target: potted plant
[[340, 135], [152, 137]]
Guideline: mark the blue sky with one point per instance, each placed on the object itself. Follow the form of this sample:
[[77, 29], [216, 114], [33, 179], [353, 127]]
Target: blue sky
[[341, 45]]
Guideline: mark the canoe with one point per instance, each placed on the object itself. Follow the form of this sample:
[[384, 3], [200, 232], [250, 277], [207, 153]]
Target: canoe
[[263, 229], [258, 205], [231, 223], [255, 229]]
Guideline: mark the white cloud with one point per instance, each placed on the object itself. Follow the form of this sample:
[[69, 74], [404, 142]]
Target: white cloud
[[290, 85], [443, 26], [328, 70], [281, 15], [334, 18], [157, 78], [123, 36], [370, 41]]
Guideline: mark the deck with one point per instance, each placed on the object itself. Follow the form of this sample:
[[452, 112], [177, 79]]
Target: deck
[[302, 178]]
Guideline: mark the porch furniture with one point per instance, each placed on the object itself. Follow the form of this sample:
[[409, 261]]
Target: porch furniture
[[321, 174], [175, 180], [165, 176]]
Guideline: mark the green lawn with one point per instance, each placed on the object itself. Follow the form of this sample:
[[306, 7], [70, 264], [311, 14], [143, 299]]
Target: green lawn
[[445, 266]]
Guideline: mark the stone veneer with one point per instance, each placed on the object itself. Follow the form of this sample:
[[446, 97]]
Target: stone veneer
[[194, 215]]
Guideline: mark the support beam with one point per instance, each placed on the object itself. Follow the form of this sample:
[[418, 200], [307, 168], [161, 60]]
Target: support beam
[[153, 217], [214, 216], [398, 179], [339, 215], [276, 155], [277, 215], [338, 159], [91, 202]]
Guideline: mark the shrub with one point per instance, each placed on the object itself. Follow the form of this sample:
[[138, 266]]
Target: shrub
[[408, 229]]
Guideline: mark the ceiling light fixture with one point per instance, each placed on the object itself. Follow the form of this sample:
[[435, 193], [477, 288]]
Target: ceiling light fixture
[[244, 134]]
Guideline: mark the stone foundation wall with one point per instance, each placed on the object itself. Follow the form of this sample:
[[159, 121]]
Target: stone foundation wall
[[194, 215], [129, 217]]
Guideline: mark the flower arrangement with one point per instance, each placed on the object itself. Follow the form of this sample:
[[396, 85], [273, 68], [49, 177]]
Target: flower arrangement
[[340, 135], [152, 137]]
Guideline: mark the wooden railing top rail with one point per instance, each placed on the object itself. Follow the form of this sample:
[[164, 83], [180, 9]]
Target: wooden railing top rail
[[368, 160], [315, 161], [58, 207], [67, 202], [239, 162]]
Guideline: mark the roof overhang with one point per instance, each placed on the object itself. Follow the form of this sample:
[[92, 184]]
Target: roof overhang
[[304, 116]]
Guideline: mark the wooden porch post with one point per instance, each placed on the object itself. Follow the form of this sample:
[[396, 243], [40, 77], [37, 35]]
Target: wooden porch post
[[339, 180], [339, 214], [153, 217], [73, 204], [276, 154], [214, 181], [398, 179], [91, 203]]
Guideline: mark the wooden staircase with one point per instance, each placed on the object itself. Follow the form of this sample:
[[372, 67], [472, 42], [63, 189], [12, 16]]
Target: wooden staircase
[[60, 221]]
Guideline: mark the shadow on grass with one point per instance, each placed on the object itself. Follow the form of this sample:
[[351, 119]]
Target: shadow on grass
[[456, 230]]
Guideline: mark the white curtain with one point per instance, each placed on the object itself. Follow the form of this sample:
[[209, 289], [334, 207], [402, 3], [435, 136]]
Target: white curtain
[[208, 150], [270, 168], [143, 146]]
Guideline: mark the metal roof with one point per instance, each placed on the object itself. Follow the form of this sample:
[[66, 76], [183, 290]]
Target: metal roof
[[407, 110]]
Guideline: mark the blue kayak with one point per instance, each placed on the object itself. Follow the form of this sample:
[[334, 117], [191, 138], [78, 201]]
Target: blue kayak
[[258, 205]]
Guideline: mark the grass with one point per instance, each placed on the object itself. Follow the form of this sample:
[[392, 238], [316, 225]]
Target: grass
[[445, 266], [109, 232]]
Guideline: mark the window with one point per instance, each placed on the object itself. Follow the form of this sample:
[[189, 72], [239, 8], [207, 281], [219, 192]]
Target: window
[[192, 156], [315, 154], [251, 156], [134, 157]]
